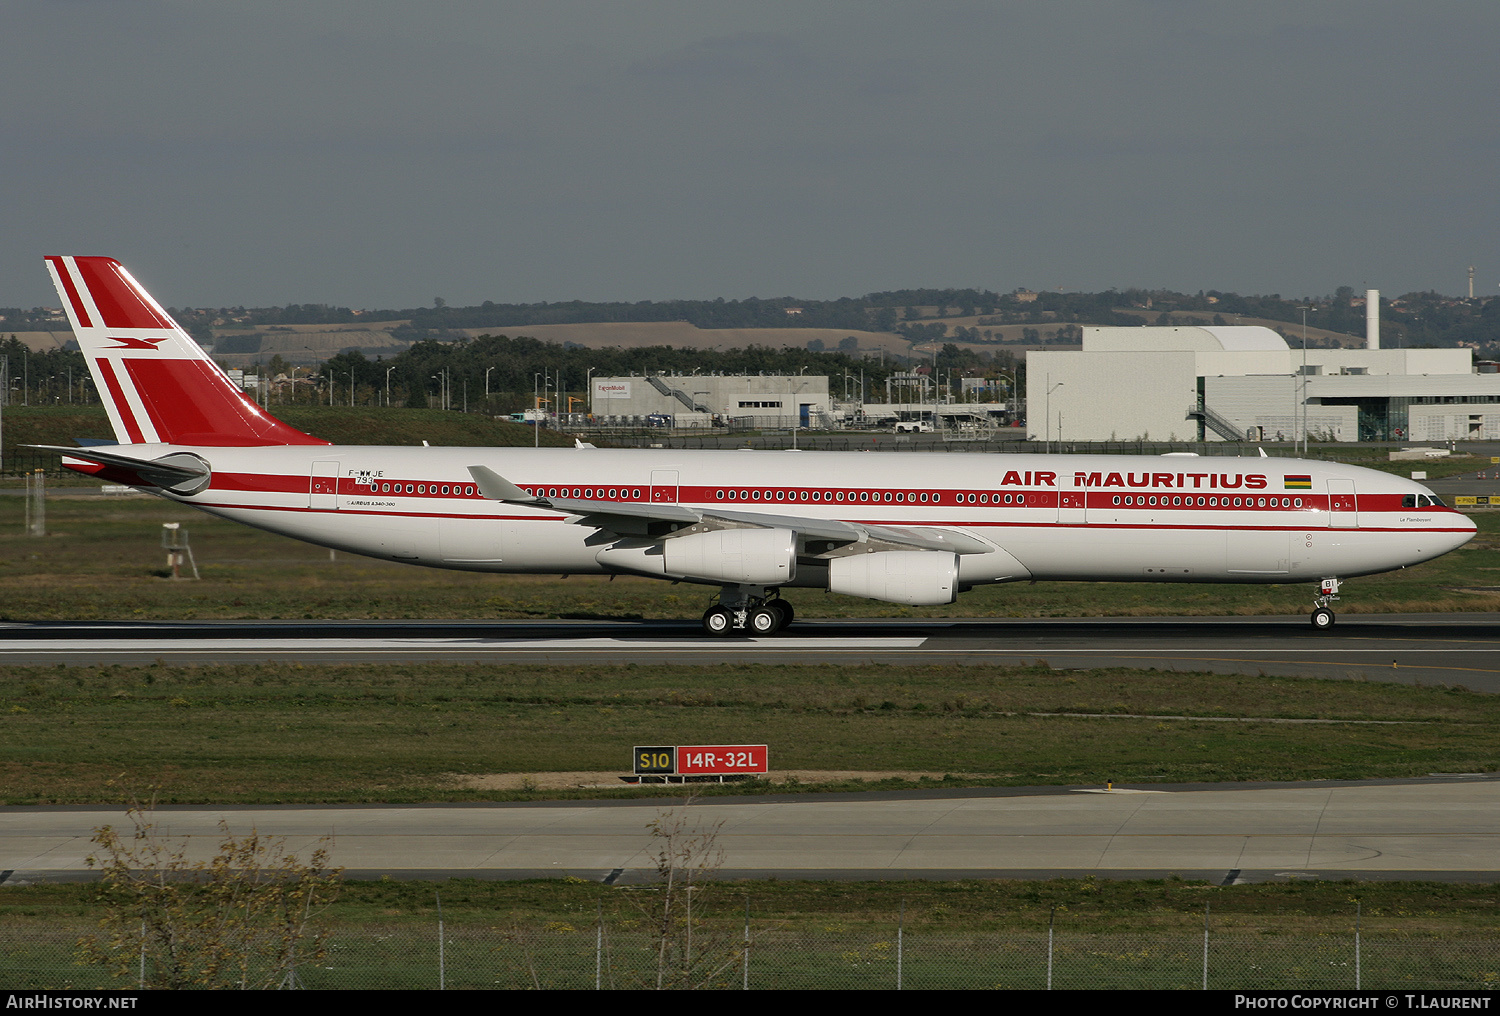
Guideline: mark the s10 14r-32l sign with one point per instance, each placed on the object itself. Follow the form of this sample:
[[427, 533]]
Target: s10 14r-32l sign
[[701, 759]]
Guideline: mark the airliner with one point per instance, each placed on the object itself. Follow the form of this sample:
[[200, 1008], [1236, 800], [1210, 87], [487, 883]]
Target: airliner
[[907, 528]]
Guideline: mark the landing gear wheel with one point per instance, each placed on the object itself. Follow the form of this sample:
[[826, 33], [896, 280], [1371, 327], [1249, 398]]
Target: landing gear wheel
[[717, 621], [784, 609], [1322, 619], [763, 620]]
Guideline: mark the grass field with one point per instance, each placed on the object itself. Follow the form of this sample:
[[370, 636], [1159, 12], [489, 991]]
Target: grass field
[[974, 934], [358, 733], [60, 425]]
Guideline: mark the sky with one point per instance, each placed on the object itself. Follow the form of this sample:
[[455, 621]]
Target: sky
[[381, 155]]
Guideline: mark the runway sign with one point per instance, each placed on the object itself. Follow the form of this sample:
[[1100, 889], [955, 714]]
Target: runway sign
[[701, 759], [656, 761], [721, 759]]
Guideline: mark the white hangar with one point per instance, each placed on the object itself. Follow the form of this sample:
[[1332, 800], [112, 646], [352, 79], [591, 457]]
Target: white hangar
[[1247, 383]]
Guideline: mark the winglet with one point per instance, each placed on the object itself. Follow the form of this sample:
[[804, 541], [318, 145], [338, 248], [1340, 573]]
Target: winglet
[[497, 488]]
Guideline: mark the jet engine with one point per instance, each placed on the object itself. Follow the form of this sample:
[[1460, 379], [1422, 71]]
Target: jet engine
[[758, 557], [915, 577]]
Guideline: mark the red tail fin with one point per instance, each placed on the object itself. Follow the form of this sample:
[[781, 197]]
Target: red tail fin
[[157, 383]]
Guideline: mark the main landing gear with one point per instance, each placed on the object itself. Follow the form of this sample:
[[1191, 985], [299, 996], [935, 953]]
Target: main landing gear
[[741, 610], [1322, 615]]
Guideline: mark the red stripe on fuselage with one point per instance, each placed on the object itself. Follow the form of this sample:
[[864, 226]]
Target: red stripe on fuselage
[[66, 277], [707, 497], [907, 523], [117, 300], [117, 395]]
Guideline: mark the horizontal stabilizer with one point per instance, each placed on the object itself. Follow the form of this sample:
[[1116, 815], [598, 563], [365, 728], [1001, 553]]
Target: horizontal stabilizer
[[181, 471]]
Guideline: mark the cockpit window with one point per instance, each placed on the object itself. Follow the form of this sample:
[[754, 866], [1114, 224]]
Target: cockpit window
[[1408, 501], [1435, 502]]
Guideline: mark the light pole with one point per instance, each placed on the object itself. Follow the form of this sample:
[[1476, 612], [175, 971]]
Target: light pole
[[487, 382], [319, 362], [1048, 410], [1304, 311], [796, 409], [388, 386]]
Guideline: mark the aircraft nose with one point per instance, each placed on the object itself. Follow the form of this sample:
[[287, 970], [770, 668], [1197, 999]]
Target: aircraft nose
[[1466, 528]]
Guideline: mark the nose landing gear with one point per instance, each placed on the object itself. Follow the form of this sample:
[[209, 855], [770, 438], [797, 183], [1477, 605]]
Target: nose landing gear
[[742, 610], [1322, 615]]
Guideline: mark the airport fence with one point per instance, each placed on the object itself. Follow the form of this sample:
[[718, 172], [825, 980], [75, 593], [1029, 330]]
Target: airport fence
[[733, 955]]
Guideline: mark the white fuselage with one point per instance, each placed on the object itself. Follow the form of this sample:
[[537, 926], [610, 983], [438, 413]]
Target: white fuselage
[[1145, 518]]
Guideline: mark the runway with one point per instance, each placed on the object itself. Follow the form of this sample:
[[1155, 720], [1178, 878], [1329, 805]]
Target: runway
[[1446, 830], [1452, 649]]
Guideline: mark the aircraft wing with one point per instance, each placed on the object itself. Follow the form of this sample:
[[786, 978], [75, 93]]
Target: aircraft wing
[[638, 519]]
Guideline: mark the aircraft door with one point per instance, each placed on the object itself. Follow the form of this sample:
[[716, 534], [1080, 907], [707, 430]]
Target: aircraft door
[[663, 486], [1343, 506], [323, 487], [1070, 507]]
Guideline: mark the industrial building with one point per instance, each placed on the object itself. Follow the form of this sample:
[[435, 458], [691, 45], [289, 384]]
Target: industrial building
[[1240, 383], [743, 400]]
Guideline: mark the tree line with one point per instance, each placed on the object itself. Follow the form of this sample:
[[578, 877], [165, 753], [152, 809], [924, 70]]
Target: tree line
[[511, 369]]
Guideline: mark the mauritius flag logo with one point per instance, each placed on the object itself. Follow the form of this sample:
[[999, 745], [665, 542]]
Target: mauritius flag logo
[[1298, 482]]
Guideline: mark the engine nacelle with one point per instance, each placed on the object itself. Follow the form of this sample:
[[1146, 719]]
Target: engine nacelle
[[759, 557], [916, 577], [756, 557]]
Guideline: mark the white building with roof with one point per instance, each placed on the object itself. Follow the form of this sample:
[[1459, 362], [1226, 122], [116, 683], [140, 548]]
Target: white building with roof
[[759, 400], [1246, 382]]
